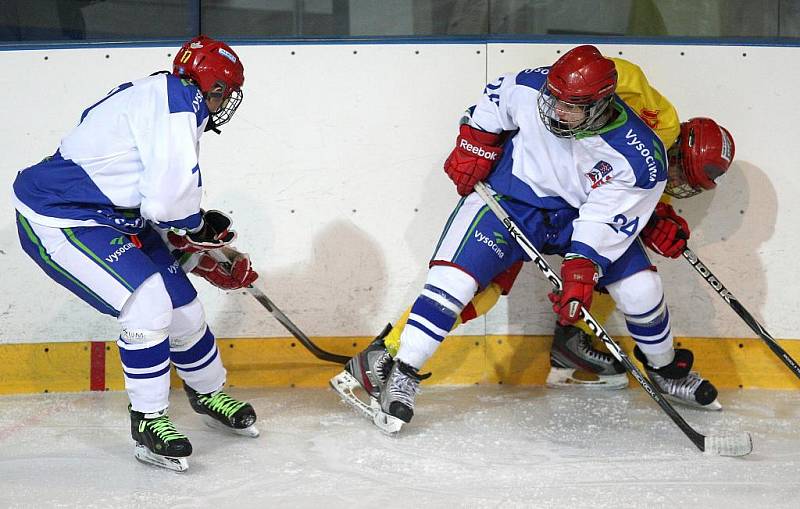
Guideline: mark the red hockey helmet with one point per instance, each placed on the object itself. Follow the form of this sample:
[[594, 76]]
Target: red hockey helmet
[[704, 153], [216, 69], [578, 89]]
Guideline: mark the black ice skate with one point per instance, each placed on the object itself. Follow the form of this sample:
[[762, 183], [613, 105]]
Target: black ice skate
[[574, 363], [679, 384], [402, 386], [223, 412], [368, 371], [158, 442]]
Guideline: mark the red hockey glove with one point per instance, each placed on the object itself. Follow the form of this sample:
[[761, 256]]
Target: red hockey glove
[[666, 232], [579, 276], [473, 158], [214, 234], [233, 276]]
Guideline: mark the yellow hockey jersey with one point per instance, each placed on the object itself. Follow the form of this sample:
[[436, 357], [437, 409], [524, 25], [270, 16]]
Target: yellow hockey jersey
[[652, 107]]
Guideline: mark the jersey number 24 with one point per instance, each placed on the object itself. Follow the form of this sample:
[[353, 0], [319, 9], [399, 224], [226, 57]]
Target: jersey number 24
[[622, 225]]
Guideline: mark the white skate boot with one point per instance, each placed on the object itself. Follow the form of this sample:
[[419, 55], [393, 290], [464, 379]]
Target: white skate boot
[[679, 384]]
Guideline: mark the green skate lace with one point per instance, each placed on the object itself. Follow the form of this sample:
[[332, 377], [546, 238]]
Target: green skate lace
[[222, 403], [164, 428]]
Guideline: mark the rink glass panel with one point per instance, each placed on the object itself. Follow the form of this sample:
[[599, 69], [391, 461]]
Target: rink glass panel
[[143, 20]]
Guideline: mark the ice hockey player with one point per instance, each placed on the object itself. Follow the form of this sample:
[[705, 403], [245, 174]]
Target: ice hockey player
[[575, 363], [605, 132], [94, 215]]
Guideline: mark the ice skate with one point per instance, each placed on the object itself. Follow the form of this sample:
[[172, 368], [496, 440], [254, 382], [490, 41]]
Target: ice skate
[[574, 363], [402, 386], [158, 442], [220, 411], [679, 384], [367, 372]]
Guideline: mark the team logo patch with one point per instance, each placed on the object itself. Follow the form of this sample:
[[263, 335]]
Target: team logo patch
[[650, 118], [600, 174]]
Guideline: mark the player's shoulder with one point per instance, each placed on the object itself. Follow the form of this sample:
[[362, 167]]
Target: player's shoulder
[[182, 95], [639, 145], [532, 78], [626, 67]]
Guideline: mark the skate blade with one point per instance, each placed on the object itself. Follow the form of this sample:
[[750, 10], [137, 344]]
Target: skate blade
[[144, 455], [714, 406], [388, 424], [739, 444], [250, 431], [344, 383], [569, 378]]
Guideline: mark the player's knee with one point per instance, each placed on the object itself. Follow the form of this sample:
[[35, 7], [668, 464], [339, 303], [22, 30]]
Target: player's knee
[[188, 325], [147, 314], [638, 293], [457, 283]]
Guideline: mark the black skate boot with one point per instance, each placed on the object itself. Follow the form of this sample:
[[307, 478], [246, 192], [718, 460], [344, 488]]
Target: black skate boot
[[158, 442], [402, 386], [221, 411], [574, 363], [368, 370], [678, 383]]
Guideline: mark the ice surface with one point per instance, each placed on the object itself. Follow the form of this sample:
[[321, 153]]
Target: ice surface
[[479, 446]]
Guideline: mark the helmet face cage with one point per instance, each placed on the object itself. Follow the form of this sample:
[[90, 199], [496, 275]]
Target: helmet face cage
[[678, 185], [549, 107], [225, 112]]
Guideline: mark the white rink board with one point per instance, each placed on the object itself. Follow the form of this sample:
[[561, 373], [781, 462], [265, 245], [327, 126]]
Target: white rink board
[[332, 171]]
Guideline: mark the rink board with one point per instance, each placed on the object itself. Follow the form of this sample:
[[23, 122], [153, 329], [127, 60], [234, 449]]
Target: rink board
[[284, 362], [332, 172]]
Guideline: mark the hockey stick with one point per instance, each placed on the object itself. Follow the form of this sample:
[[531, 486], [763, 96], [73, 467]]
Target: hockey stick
[[318, 352], [739, 444], [734, 303]]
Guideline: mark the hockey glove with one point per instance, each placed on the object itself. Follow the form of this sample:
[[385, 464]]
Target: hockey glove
[[579, 276], [214, 234], [666, 232], [228, 276], [471, 161]]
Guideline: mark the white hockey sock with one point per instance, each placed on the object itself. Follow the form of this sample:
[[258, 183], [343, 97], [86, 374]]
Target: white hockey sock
[[641, 298], [193, 349], [145, 368], [199, 364], [434, 313]]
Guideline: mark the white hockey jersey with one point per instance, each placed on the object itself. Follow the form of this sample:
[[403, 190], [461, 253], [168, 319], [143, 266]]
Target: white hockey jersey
[[133, 157], [613, 177]]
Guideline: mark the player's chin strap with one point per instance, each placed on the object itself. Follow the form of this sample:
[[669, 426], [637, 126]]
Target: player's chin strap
[[738, 444], [734, 303], [318, 352]]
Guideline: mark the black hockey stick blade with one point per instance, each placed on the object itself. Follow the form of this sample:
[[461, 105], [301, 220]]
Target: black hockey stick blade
[[740, 310], [318, 352]]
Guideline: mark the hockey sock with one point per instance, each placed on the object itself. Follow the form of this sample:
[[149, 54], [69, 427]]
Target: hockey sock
[[478, 306], [434, 313], [652, 333], [198, 363], [145, 367]]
